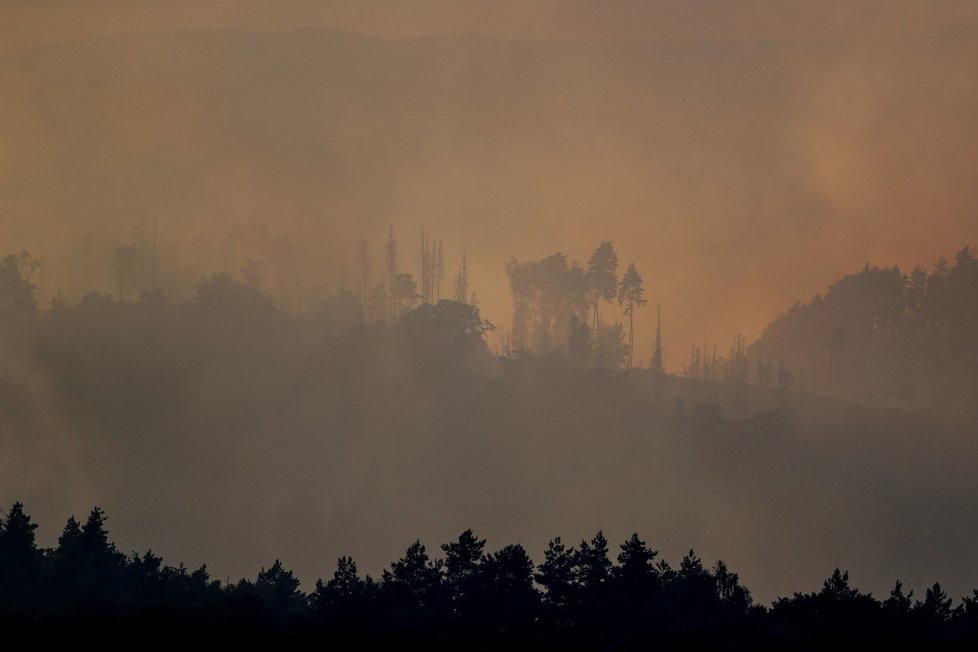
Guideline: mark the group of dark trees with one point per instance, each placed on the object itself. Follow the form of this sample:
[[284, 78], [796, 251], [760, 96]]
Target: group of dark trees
[[587, 597], [244, 303], [557, 308], [884, 336], [388, 281], [878, 336], [399, 290]]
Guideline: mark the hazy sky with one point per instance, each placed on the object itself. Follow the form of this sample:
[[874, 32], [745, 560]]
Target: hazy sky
[[24, 23], [744, 154]]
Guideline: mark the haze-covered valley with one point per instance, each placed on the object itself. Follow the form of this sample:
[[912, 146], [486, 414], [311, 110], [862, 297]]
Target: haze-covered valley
[[297, 294]]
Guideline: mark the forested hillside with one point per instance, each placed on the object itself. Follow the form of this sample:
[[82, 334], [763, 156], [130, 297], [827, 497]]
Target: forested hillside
[[225, 418], [884, 336]]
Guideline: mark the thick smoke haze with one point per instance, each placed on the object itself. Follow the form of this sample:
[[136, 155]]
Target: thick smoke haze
[[25, 25], [806, 144], [742, 155]]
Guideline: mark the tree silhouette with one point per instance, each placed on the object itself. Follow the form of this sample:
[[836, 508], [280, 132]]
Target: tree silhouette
[[592, 568], [549, 297], [936, 607], [472, 600], [630, 295], [20, 560], [462, 280], [602, 270], [837, 587], [444, 334], [462, 559], [87, 564], [510, 603], [17, 293], [883, 336], [278, 589], [898, 604], [556, 573], [635, 574], [414, 586], [345, 605], [602, 275]]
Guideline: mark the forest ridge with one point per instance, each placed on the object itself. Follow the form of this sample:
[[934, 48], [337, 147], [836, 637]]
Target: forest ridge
[[577, 598], [878, 336]]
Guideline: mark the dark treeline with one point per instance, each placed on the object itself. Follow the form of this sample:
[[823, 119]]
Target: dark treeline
[[588, 596], [586, 313], [390, 277], [884, 336], [879, 337], [559, 307]]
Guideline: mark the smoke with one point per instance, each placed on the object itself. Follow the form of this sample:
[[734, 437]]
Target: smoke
[[43, 454], [743, 155], [790, 143]]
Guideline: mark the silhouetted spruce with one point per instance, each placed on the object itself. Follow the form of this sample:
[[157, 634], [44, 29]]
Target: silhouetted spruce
[[576, 599]]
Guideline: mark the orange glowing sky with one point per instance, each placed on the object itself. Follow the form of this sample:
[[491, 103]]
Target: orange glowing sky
[[742, 154]]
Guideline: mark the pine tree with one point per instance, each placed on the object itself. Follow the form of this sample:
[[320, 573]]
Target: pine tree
[[462, 280], [556, 573], [278, 588], [630, 295], [602, 270]]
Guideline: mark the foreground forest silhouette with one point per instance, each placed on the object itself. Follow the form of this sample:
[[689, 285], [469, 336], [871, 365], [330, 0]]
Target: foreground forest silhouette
[[466, 597]]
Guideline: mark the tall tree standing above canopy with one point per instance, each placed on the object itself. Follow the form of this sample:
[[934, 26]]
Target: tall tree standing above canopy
[[429, 266], [462, 563], [602, 270], [19, 557], [630, 295], [462, 280]]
